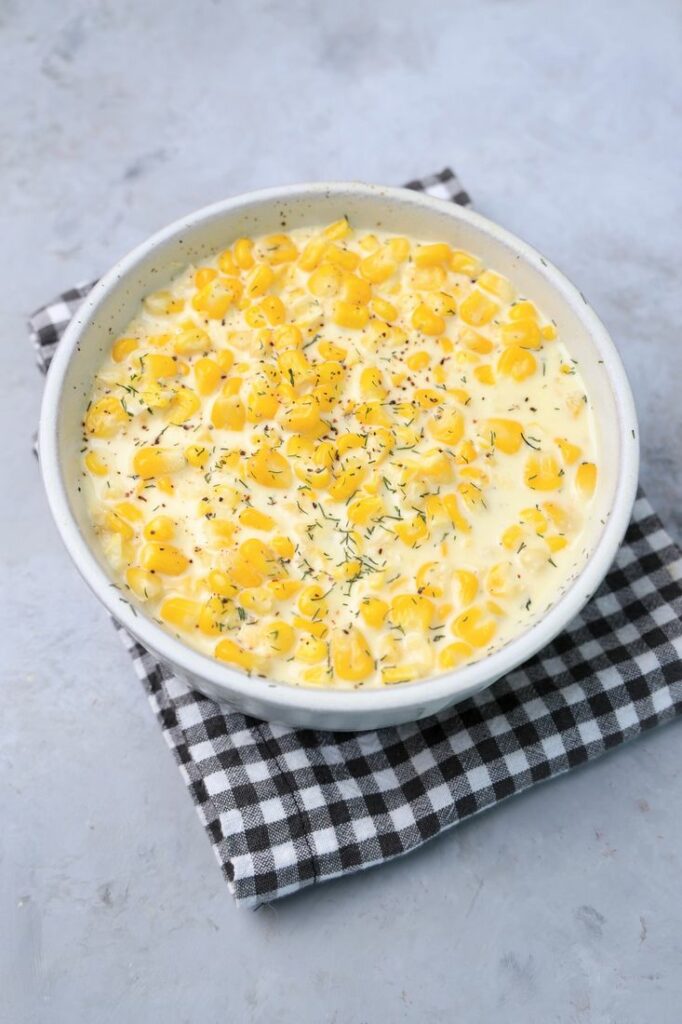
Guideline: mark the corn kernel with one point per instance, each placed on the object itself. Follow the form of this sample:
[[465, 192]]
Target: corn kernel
[[160, 528], [105, 417], [311, 650], [454, 655], [477, 309], [570, 452], [228, 413], [426, 321], [350, 314], [524, 333], [378, 266], [517, 362], [163, 558], [284, 547], [351, 656], [496, 284], [143, 584], [256, 520], [586, 478], [95, 465], [231, 652], [122, 348], [373, 611], [504, 435], [269, 469], [474, 627], [542, 473]]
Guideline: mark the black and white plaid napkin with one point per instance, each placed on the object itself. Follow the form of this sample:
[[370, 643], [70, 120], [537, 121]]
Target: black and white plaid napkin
[[285, 808]]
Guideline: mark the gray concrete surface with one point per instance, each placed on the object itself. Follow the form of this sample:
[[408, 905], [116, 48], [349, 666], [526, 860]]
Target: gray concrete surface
[[564, 121]]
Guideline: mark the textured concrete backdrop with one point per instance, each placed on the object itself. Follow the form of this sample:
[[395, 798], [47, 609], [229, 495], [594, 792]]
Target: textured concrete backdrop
[[564, 122]]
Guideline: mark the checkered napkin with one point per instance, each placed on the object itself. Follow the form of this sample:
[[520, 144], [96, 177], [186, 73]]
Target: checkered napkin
[[285, 808]]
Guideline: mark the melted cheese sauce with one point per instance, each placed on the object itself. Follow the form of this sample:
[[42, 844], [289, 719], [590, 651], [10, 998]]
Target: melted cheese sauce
[[340, 459]]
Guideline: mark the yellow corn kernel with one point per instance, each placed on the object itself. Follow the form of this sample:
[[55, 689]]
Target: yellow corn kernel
[[284, 547], [372, 383], [245, 575], [418, 360], [315, 627], [215, 298], [122, 348], [504, 435], [274, 310], [464, 263], [325, 454], [556, 543], [548, 332], [350, 314], [160, 528], [412, 531], [496, 284], [386, 310], [467, 585], [259, 280], [95, 465], [231, 652], [165, 484], [340, 257], [329, 350], [426, 279], [447, 427], [543, 473], [284, 588], [512, 537], [295, 367], [524, 333], [475, 342], [351, 656], [180, 612], [163, 558], [311, 650], [242, 253], [451, 506], [279, 636], [484, 374], [258, 600], [475, 627], [311, 602], [196, 455], [356, 290], [279, 249], [432, 255], [154, 461], [303, 416], [373, 414], [348, 570], [441, 303], [426, 321], [227, 265], [255, 519], [204, 276], [228, 413], [517, 362], [378, 266], [143, 584], [260, 405], [454, 655], [373, 611], [535, 518], [348, 442], [570, 452], [337, 230], [269, 469], [500, 580], [220, 583], [184, 405], [157, 365], [400, 674], [412, 612], [212, 615], [312, 254], [347, 483], [105, 417], [366, 510], [399, 248], [523, 310], [116, 524], [162, 303], [255, 317], [586, 478], [206, 375], [191, 339], [477, 309], [222, 531], [224, 358]]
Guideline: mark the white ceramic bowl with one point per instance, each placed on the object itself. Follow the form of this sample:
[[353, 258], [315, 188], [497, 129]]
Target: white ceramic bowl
[[112, 303]]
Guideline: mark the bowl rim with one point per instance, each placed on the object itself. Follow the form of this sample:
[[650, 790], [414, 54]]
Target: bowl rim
[[441, 689]]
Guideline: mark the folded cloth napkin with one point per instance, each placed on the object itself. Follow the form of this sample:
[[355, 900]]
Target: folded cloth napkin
[[285, 808]]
